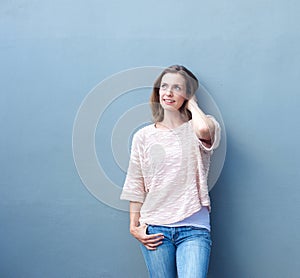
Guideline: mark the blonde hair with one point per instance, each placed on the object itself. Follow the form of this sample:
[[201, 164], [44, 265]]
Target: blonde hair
[[191, 83]]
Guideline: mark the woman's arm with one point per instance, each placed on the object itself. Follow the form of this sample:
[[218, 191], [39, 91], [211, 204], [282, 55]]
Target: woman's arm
[[203, 126], [135, 208], [139, 231]]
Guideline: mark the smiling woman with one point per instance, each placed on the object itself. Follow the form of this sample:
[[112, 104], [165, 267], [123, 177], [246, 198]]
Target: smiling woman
[[166, 182], [186, 87], [172, 91]]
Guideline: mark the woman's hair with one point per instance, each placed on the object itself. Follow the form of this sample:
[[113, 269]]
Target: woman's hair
[[191, 83]]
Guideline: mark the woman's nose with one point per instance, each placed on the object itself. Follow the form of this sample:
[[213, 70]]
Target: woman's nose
[[169, 92]]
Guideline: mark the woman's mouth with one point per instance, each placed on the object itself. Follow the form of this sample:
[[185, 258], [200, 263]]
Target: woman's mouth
[[168, 101]]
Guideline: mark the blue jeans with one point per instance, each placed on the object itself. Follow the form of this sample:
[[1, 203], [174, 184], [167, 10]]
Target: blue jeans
[[184, 253]]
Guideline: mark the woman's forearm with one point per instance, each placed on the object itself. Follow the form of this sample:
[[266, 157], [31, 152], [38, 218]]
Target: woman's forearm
[[203, 126], [135, 208]]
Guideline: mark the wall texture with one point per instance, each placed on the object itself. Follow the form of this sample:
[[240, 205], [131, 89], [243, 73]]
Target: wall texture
[[52, 53]]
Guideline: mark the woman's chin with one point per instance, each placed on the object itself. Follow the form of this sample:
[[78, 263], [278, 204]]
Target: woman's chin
[[170, 108]]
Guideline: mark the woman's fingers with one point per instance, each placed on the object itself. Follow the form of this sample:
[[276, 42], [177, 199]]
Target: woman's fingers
[[154, 237], [150, 241], [147, 240], [152, 246]]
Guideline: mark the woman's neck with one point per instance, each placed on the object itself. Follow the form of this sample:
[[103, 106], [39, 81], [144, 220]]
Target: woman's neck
[[172, 119]]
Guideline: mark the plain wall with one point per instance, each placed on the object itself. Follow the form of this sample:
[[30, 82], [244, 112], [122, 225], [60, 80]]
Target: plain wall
[[52, 53]]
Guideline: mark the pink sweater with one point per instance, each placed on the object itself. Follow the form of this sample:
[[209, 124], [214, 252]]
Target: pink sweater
[[168, 172]]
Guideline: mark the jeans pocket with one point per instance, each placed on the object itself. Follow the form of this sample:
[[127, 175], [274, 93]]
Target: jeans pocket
[[203, 233], [147, 230], [154, 229]]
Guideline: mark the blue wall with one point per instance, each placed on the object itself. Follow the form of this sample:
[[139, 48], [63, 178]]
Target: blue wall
[[246, 53]]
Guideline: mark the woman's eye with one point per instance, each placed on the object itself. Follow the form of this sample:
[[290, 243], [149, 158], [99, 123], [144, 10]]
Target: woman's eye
[[177, 88], [163, 86]]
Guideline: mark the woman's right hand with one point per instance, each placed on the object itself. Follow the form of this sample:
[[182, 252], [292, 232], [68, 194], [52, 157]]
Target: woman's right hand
[[149, 241]]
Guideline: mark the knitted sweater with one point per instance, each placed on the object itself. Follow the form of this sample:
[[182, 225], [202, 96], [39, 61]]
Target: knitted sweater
[[168, 172]]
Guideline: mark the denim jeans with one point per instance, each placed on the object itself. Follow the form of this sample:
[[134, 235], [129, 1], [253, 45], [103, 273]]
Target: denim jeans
[[184, 253]]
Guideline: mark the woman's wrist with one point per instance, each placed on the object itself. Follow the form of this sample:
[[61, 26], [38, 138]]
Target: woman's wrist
[[134, 224]]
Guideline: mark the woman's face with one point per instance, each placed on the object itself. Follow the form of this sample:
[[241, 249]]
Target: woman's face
[[172, 91]]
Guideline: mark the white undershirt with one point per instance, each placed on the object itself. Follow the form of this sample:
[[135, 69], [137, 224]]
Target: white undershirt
[[199, 219]]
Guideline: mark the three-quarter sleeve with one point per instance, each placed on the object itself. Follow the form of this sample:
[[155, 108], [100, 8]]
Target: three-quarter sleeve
[[134, 188], [216, 136]]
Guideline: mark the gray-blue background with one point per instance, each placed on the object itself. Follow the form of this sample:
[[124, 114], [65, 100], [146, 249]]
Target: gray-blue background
[[52, 53]]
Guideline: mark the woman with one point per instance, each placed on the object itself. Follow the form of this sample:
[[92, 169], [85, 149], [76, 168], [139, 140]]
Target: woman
[[166, 182]]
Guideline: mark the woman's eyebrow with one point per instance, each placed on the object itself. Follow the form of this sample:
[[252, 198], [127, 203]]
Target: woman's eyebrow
[[176, 84], [180, 85]]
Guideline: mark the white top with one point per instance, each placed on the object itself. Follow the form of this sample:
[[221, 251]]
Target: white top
[[199, 219], [168, 172]]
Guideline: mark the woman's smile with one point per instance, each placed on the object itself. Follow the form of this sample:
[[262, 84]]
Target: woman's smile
[[172, 91], [168, 101]]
